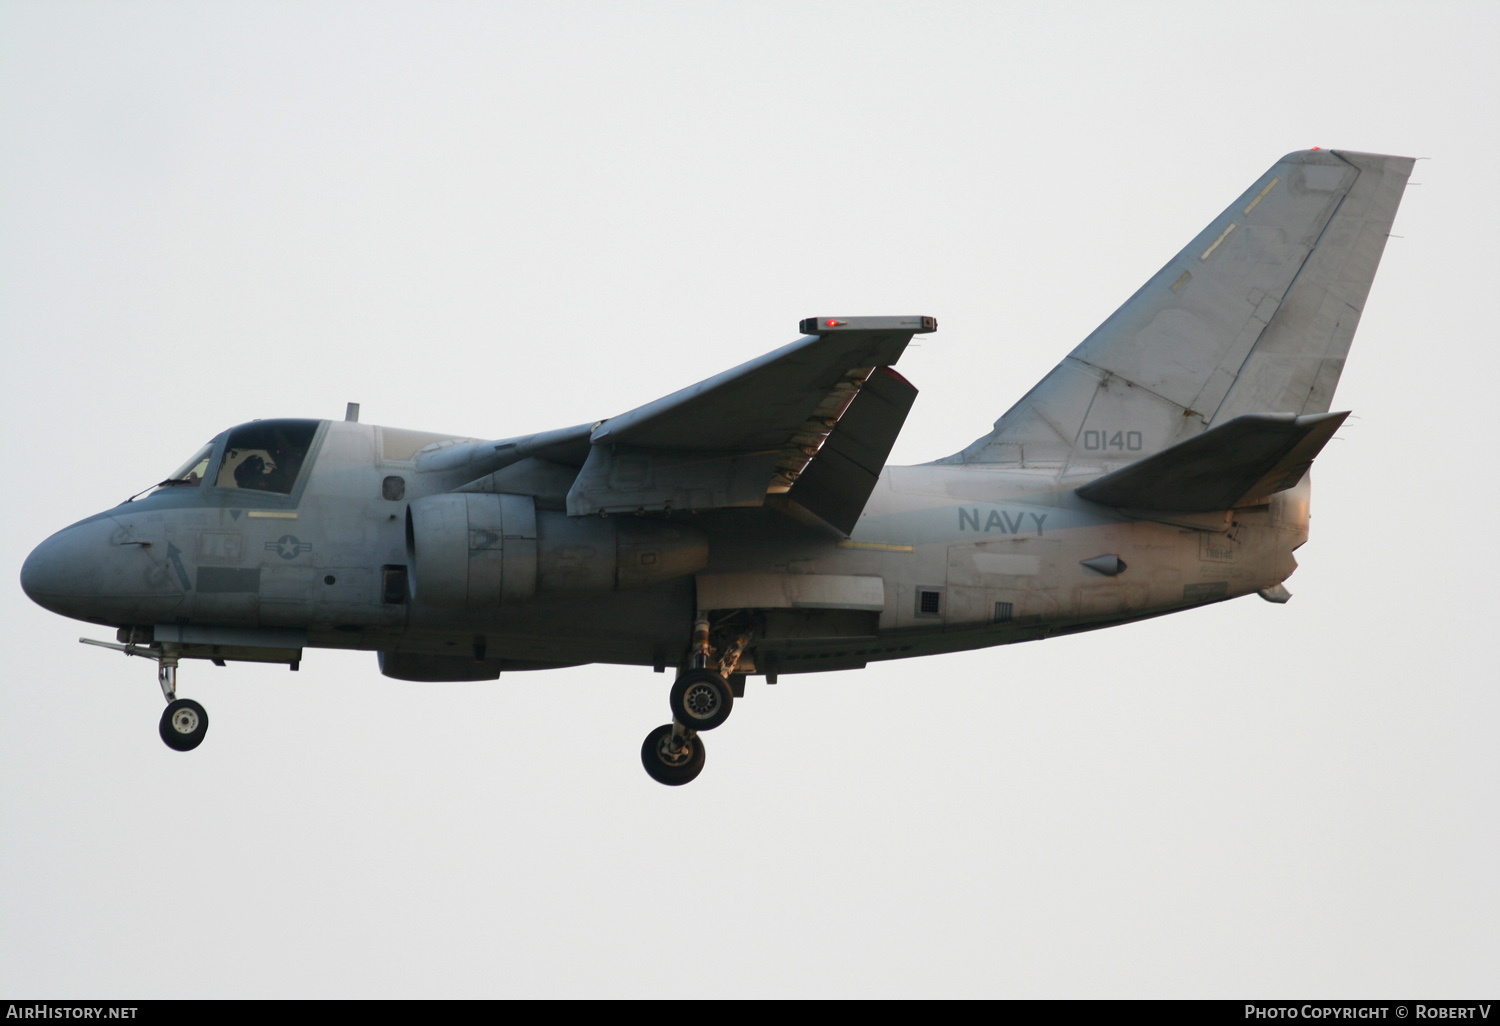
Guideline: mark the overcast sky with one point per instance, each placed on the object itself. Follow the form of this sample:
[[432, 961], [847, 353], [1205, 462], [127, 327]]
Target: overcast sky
[[493, 219]]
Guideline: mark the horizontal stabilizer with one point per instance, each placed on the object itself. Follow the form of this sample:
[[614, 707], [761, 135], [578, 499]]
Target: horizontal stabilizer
[[838, 482], [1242, 462]]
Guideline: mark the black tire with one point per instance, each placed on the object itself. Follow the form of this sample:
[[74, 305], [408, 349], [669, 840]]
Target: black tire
[[183, 725], [701, 699], [666, 768]]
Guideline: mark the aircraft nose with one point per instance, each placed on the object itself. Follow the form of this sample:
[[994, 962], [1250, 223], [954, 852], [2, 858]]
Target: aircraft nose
[[61, 572]]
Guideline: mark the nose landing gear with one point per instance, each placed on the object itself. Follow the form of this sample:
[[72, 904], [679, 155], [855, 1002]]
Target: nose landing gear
[[185, 722]]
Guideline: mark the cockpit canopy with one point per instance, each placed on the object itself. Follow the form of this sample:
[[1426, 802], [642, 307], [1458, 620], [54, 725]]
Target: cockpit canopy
[[191, 473], [264, 455]]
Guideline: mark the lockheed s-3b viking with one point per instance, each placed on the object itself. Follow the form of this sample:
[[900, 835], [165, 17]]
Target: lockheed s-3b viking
[[748, 524]]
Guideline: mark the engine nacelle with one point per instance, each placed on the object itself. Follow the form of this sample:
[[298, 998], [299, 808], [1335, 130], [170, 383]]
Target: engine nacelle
[[470, 550]]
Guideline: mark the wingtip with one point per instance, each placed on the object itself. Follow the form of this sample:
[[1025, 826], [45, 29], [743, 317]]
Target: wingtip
[[917, 325], [1312, 155], [1359, 158]]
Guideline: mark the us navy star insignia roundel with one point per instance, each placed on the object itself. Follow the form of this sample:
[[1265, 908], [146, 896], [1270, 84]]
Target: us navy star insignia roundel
[[288, 547]]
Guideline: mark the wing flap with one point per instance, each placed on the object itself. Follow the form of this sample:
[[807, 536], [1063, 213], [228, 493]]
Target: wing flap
[[1242, 462], [837, 482]]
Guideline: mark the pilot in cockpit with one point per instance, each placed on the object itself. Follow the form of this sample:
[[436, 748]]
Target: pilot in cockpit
[[263, 456]]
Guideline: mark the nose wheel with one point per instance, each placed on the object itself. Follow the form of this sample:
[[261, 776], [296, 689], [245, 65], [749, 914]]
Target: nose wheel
[[184, 722], [183, 725]]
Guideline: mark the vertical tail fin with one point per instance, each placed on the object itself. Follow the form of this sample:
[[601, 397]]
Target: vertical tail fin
[[1255, 315]]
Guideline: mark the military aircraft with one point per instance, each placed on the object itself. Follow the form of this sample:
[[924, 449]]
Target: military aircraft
[[748, 524]]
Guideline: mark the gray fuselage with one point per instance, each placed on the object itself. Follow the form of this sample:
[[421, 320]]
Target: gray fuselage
[[945, 557]]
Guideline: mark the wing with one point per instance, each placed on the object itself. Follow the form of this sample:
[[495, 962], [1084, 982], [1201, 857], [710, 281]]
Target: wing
[[757, 429]]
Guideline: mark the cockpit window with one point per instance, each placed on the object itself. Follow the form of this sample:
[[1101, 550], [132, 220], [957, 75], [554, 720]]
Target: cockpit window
[[266, 455], [191, 473]]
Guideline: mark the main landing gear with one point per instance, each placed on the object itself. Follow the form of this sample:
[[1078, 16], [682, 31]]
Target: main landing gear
[[672, 754], [184, 723], [701, 699]]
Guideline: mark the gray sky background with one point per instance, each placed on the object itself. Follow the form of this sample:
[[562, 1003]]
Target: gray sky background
[[498, 218]]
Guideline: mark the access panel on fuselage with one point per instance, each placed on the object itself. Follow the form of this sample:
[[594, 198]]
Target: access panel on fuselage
[[1001, 581]]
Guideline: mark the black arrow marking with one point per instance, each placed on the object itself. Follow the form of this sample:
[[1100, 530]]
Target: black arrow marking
[[175, 555]]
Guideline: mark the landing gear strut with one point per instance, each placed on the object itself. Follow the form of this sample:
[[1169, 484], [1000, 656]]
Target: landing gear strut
[[701, 699], [184, 723]]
